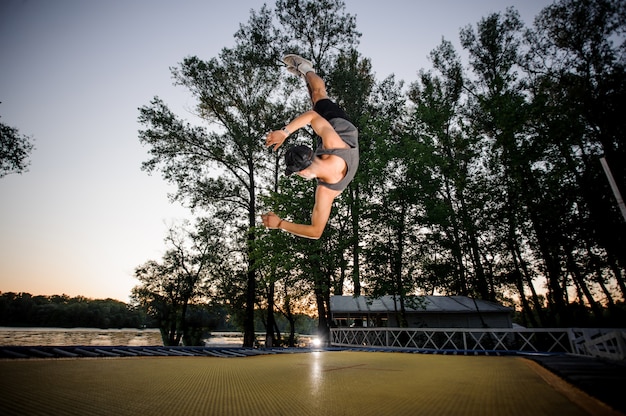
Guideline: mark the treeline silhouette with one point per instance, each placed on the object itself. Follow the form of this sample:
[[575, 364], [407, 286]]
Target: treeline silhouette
[[63, 311], [24, 309]]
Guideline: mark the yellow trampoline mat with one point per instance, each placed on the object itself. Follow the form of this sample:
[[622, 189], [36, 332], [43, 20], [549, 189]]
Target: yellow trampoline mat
[[315, 383]]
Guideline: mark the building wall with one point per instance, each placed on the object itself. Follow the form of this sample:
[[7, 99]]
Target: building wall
[[426, 320], [451, 320]]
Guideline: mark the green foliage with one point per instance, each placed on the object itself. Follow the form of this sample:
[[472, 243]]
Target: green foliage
[[15, 149], [169, 291], [62, 311], [582, 315], [319, 29], [478, 179]]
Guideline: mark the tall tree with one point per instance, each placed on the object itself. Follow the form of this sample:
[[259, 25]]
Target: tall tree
[[220, 169], [241, 96], [389, 202], [578, 78], [449, 155], [321, 30], [167, 289], [497, 106], [352, 82]]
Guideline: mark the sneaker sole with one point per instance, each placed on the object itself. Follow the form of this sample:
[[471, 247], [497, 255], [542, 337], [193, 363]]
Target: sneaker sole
[[293, 70], [295, 60]]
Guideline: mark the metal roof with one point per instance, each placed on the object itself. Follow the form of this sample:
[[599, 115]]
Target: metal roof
[[423, 304]]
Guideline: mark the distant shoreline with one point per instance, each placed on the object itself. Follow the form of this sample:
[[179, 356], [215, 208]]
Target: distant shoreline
[[54, 336], [77, 328]]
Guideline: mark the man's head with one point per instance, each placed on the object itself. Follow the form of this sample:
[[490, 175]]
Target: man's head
[[298, 158]]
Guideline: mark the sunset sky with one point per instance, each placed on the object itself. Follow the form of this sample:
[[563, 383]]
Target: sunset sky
[[73, 74]]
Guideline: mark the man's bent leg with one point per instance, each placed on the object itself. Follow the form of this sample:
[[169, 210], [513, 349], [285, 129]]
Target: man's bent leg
[[317, 87], [315, 84]]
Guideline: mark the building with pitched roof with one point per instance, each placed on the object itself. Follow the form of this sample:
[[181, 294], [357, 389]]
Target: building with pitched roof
[[421, 312]]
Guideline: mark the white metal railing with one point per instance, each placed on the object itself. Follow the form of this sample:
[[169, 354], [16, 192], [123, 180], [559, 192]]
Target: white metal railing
[[536, 340], [599, 342]]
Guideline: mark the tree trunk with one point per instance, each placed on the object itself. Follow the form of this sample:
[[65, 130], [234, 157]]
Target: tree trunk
[[549, 250], [480, 281], [618, 275], [397, 266], [271, 322], [527, 313], [580, 282], [249, 338], [248, 321], [292, 331], [354, 211], [457, 250], [290, 318], [322, 298], [323, 327], [595, 264], [529, 282]]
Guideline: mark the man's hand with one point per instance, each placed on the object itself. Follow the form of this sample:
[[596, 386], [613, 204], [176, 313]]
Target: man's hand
[[275, 138], [271, 220]]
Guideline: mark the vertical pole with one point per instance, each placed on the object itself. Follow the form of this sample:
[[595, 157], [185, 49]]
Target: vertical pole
[[618, 195]]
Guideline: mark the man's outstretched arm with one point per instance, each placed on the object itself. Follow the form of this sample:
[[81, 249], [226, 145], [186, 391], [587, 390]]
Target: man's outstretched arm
[[324, 198], [277, 137]]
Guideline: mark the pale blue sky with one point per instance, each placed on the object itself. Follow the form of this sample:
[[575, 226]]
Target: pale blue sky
[[72, 75]]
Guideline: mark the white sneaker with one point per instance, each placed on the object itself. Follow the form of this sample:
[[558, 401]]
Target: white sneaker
[[298, 63], [294, 71]]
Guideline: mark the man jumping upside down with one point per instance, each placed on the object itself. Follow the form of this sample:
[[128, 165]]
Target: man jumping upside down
[[334, 161]]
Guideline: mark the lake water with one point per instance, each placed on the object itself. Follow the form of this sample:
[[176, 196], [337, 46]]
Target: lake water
[[130, 337], [101, 337]]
